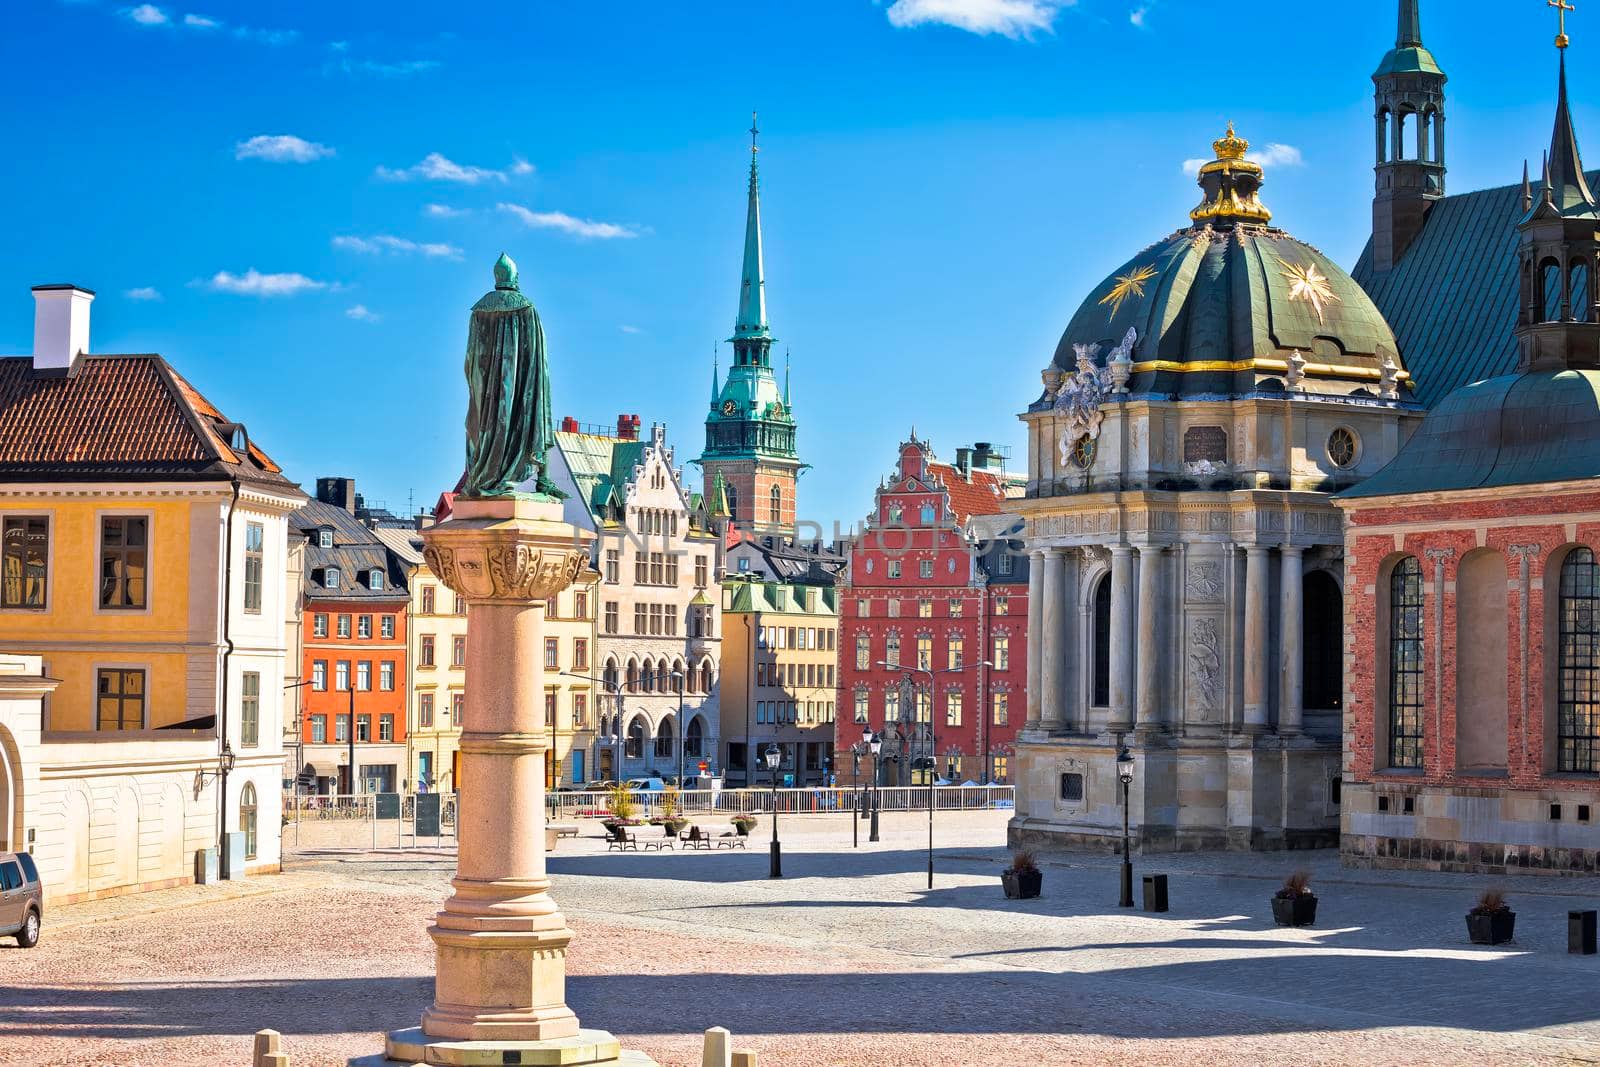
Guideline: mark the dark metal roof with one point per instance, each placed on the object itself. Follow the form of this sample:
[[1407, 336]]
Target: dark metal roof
[[1452, 299], [356, 551]]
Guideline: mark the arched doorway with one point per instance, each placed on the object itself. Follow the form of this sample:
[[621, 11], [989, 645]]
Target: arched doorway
[[1322, 654], [1101, 695]]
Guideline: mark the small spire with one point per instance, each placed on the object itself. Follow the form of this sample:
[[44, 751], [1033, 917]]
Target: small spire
[[716, 389], [1410, 35], [1527, 189], [787, 404], [1571, 188]]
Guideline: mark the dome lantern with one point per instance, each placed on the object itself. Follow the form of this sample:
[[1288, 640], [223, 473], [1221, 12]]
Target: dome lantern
[[1231, 183]]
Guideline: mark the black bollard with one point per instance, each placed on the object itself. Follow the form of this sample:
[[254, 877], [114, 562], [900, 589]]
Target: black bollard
[[1581, 933], [1155, 892]]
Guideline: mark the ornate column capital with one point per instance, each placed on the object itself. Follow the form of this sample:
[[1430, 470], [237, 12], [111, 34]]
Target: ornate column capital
[[504, 550]]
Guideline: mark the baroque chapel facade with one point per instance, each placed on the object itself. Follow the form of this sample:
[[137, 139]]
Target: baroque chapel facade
[[1186, 581]]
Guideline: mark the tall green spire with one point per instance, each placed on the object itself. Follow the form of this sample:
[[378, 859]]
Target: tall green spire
[[1409, 55], [752, 321], [1567, 186]]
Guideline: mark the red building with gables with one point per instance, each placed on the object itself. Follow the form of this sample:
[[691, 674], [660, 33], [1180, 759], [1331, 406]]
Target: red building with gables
[[933, 620]]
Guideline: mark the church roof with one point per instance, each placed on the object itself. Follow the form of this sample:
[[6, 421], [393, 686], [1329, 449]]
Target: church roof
[[1452, 298]]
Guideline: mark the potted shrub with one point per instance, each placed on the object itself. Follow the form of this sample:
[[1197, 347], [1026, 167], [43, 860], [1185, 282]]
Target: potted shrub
[[1295, 904], [622, 808], [1023, 879], [670, 818], [743, 824], [1491, 921]]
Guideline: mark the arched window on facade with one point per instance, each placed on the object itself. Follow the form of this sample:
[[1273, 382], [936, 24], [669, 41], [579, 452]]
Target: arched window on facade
[[694, 737], [663, 677], [1578, 703], [1322, 650], [610, 676], [1405, 664], [1101, 695], [777, 506], [633, 747], [891, 647], [1550, 289], [705, 677], [664, 740], [247, 819], [733, 500], [633, 677]]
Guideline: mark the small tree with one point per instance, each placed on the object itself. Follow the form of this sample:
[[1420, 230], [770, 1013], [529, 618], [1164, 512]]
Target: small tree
[[669, 802], [621, 801]]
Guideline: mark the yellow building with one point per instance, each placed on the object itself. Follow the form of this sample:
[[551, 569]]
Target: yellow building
[[142, 548], [780, 657], [569, 688], [436, 634]]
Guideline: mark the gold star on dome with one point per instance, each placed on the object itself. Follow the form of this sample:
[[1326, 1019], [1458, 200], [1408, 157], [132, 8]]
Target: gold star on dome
[[1130, 284], [1308, 284]]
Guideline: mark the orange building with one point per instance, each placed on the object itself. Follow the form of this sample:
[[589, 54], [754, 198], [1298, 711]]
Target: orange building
[[354, 663]]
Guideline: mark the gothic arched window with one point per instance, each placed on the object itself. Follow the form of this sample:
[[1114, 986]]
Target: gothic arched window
[[633, 747], [1101, 697], [1578, 709], [1405, 664], [776, 516], [664, 740], [694, 738]]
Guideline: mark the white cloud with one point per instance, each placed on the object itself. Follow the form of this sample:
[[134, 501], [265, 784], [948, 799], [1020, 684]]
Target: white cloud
[[272, 37], [376, 68], [1009, 18], [1137, 16], [361, 314], [375, 246], [631, 329], [436, 168], [149, 15], [441, 211], [253, 283], [1268, 155], [521, 166], [201, 22], [144, 292], [560, 220], [281, 148]]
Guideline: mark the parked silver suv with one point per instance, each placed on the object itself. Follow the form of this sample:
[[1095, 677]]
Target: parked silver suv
[[21, 898]]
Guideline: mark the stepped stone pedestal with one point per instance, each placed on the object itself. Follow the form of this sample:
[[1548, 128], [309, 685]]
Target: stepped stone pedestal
[[500, 940]]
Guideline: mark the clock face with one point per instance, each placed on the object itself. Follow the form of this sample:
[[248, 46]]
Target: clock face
[[730, 408]]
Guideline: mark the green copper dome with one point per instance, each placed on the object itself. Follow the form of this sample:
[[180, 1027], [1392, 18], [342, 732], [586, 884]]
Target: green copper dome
[[1229, 304]]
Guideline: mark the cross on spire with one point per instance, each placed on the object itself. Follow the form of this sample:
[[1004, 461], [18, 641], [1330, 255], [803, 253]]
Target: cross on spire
[[1562, 7], [755, 131]]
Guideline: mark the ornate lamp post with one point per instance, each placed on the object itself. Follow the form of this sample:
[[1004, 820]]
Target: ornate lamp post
[[774, 757], [1125, 776], [875, 744], [680, 680]]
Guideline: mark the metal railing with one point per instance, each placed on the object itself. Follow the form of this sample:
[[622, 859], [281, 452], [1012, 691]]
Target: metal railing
[[816, 800]]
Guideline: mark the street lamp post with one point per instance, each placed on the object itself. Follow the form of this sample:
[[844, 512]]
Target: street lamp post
[[855, 794], [774, 757], [681, 687], [933, 760], [1125, 775], [875, 744]]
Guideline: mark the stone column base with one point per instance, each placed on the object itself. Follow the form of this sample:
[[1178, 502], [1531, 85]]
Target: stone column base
[[590, 1048]]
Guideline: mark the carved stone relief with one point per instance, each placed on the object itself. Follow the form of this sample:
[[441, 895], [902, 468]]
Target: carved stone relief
[[1204, 581], [1207, 683]]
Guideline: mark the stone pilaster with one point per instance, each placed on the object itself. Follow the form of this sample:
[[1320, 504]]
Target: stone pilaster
[[1153, 612], [1122, 638], [1291, 621], [1036, 636], [1053, 663], [1257, 637]]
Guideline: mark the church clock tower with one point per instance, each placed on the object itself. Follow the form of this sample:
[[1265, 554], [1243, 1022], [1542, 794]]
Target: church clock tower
[[750, 431], [1410, 140]]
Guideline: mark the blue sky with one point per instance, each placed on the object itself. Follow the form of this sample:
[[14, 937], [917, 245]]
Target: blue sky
[[297, 203]]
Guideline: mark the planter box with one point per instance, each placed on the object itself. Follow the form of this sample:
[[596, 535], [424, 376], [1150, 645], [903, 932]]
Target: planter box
[[1492, 929], [742, 829], [1294, 911], [1022, 885]]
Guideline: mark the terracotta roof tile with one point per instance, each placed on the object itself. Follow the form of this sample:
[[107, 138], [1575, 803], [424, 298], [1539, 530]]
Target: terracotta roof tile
[[115, 417], [983, 494]]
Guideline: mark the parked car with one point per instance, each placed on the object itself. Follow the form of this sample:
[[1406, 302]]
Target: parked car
[[21, 898], [646, 785], [702, 781]]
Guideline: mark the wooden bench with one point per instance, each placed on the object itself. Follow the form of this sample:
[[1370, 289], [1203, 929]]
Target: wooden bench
[[627, 842], [732, 839], [694, 837], [565, 829]]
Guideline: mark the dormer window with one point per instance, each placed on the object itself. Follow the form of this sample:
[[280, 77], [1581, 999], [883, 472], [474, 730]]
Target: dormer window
[[239, 441], [375, 579], [331, 577], [325, 538]]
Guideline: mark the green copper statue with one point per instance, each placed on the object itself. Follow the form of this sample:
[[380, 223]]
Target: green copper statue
[[509, 429]]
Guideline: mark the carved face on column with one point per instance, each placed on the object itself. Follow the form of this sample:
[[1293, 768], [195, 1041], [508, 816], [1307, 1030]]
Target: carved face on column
[[517, 571]]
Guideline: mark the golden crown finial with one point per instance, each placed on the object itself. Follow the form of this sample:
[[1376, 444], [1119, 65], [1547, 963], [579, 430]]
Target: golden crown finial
[[1231, 147]]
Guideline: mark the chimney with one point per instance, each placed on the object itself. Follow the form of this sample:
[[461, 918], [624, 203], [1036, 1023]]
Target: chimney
[[339, 492], [964, 460], [628, 427], [60, 327], [983, 455], [569, 425]]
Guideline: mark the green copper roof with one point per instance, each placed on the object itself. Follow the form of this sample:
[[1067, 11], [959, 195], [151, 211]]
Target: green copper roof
[[600, 466], [743, 596], [1408, 55], [1517, 429]]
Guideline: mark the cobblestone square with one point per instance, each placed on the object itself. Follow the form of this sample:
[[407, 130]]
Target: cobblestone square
[[847, 960]]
